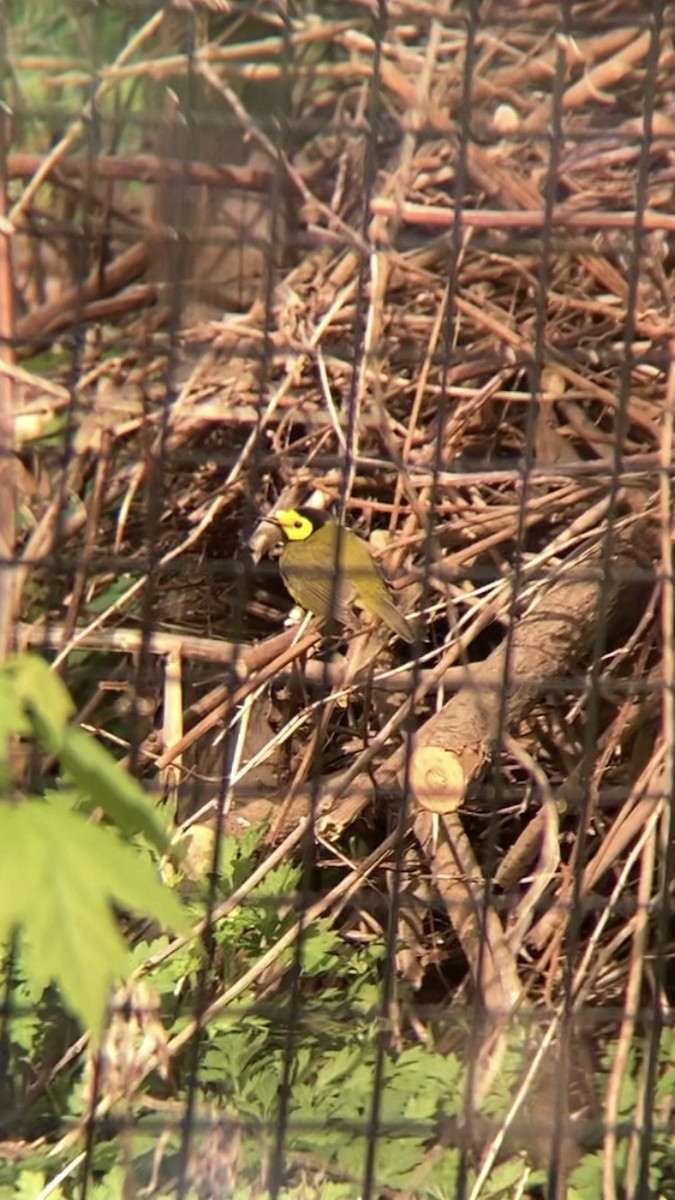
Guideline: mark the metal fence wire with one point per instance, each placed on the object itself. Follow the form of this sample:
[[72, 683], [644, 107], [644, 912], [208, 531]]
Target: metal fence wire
[[367, 306]]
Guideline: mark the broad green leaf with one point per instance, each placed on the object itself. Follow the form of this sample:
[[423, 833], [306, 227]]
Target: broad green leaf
[[585, 1180], [58, 876], [318, 947], [111, 593], [12, 716], [13, 720], [32, 1183], [40, 690], [116, 791], [113, 1185], [42, 694], [508, 1178]]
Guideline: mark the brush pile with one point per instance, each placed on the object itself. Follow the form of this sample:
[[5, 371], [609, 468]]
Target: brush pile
[[445, 259]]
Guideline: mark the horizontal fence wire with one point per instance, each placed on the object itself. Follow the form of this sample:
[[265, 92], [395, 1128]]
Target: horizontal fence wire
[[336, 600]]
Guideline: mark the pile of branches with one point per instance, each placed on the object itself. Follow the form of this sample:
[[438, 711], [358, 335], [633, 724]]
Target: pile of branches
[[451, 326]]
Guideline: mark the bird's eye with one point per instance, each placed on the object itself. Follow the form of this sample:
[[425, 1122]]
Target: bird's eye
[[298, 524]]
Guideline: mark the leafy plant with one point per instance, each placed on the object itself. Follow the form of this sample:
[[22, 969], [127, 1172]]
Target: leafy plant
[[63, 877], [60, 875]]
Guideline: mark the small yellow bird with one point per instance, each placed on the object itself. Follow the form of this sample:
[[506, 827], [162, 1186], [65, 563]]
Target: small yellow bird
[[329, 571]]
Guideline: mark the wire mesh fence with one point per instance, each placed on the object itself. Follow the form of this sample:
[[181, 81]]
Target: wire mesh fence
[[367, 306]]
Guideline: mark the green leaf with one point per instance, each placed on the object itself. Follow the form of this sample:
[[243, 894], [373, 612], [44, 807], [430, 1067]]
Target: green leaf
[[508, 1178], [40, 690], [58, 876], [318, 947], [111, 593], [113, 1185], [13, 720], [33, 689], [116, 791], [12, 716], [585, 1180], [31, 1184]]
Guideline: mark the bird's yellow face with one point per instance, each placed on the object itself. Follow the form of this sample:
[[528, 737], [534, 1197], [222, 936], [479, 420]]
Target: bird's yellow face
[[296, 524]]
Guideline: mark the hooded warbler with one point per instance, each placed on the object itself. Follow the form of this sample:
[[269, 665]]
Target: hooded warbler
[[328, 570]]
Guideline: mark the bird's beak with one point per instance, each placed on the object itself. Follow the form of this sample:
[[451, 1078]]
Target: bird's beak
[[263, 540]]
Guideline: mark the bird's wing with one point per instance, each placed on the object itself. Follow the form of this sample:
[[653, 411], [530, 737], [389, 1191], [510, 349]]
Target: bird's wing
[[380, 601], [314, 588]]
